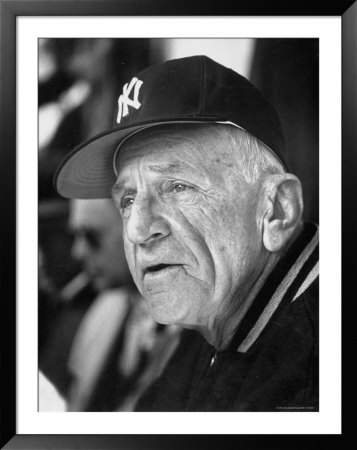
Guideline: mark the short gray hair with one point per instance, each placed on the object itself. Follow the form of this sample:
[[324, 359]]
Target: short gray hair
[[255, 158]]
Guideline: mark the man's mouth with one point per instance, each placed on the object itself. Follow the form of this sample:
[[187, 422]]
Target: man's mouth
[[157, 267], [160, 268]]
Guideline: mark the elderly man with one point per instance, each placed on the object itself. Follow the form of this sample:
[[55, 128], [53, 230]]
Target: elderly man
[[213, 236]]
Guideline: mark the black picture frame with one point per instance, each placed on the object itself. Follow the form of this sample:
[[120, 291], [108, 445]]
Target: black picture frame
[[10, 10]]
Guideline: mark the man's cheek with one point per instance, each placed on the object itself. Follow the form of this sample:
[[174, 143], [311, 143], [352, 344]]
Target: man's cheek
[[200, 217]]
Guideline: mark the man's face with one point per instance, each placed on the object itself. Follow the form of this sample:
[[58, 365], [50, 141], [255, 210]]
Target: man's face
[[98, 242], [190, 228]]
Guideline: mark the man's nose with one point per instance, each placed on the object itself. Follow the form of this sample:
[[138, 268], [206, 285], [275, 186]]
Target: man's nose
[[146, 222]]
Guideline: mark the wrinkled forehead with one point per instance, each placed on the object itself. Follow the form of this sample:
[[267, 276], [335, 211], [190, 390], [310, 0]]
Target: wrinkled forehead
[[195, 144]]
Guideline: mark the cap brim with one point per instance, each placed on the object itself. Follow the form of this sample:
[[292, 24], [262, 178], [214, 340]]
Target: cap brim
[[87, 171]]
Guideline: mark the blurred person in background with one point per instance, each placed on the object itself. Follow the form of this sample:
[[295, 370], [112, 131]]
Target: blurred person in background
[[98, 244], [118, 348], [118, 345]]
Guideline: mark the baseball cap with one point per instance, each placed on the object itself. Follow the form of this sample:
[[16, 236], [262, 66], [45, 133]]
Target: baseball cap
[[194, 89]]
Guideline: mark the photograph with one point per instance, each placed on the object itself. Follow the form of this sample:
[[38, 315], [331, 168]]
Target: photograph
[[178, 224]]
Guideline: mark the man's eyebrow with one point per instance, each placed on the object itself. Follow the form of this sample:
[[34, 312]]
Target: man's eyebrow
[[168, 168]]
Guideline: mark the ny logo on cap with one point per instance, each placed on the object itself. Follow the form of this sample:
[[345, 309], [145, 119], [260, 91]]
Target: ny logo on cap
[[124, 101]]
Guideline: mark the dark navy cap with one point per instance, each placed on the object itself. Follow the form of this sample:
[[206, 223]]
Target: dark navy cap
[[188, 90]]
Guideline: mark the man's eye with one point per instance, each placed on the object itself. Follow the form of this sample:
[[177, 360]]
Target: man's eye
[[178, 187], [126, 202]]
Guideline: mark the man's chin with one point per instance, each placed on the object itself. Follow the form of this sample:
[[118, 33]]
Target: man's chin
[[167, 310]]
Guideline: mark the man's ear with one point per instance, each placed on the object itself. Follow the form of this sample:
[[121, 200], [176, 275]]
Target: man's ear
[[282, 209]]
